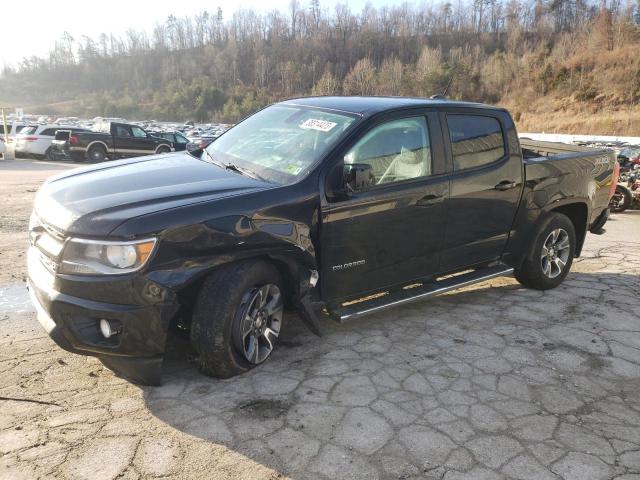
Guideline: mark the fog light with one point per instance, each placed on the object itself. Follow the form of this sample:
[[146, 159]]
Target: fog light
[[107, 329]]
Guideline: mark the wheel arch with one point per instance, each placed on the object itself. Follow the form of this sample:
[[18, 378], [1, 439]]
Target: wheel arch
[[294, 274], [97, 142], [163, 145], [578, 213]]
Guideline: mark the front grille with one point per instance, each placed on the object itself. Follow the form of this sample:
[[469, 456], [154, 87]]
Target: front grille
[[48, 242]]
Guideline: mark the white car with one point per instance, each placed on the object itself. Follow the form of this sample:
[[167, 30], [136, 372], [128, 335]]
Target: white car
[[12, 129], [3, 148], [35, 140]]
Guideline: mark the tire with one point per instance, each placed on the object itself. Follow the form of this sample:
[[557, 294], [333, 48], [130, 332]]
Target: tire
[[97, 154], [621, 200], [226, 320], [550, 255], [162, 150], [50, 154]]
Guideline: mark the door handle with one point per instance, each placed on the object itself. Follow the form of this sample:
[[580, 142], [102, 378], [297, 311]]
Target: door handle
[[429, 200], [505, 185]]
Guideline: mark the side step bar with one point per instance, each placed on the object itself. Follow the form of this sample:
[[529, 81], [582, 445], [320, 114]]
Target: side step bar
[[418, 292]]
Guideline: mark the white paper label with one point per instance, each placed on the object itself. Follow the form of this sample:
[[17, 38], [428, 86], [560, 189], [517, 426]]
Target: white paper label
[[315, 124]]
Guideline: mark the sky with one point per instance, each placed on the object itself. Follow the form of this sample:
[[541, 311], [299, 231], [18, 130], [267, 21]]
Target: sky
[[31, 28]]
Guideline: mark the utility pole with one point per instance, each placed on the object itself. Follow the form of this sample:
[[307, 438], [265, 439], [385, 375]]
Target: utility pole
[[4, 125]]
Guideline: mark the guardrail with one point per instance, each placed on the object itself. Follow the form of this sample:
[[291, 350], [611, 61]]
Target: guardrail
[[564, 138]]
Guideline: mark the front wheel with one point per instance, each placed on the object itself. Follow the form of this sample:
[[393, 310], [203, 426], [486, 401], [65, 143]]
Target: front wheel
[[237, 318], [550, 255]]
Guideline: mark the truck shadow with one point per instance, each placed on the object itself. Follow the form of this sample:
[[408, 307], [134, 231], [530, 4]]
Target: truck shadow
[[342, 405]]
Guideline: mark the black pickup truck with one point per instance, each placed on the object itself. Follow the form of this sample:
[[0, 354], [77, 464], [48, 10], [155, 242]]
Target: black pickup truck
[[109, 140], [335, 204]]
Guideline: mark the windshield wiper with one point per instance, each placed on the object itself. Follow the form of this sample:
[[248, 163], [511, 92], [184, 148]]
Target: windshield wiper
[[244, 171], [213, 160], [235, 168]]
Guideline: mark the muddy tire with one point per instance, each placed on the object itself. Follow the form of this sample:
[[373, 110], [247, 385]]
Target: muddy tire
[[550, 255], [237, 318], [163, 149]]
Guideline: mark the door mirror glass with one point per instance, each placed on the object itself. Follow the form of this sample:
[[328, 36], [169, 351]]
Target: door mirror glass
[[357, 177]]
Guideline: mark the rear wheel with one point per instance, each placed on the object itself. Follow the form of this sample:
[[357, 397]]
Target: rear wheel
[[50, 154], [163, 149], [550, 255], [237, 318], [97, 153]]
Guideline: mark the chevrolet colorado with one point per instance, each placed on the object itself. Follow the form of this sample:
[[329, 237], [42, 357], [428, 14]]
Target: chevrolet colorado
[[347, 204]]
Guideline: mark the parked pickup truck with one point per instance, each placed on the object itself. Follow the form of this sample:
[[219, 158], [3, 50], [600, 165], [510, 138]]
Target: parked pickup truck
[[334, 203], [109, 140]]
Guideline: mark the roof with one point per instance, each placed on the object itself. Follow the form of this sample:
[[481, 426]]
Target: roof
[[371, 105]]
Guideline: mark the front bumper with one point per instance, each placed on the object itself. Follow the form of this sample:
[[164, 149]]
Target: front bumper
[[73, 322]]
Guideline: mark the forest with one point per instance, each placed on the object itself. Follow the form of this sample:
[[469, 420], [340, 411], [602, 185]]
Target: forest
[[567, 66]]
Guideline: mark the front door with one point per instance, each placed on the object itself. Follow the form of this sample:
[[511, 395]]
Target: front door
[[390, 233]]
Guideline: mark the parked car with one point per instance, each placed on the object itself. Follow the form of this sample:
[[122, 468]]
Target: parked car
[[13, 128], [351, 204], [199, 143], [178, 140], [3, 148], [111, 140], [36, 140]]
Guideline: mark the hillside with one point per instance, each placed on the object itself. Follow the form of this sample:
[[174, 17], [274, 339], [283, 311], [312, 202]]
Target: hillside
[[563, 66]]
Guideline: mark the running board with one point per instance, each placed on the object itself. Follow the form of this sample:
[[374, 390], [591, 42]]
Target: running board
[[420, 291]]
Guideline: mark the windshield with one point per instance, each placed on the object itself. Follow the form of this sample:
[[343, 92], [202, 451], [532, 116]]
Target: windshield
[[281, 142], [630, 152]]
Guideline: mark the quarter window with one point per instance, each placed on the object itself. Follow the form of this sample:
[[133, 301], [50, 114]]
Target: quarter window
[[476, 140], [397, 150]]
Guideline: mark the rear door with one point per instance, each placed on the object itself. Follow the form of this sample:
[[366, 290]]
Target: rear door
[[486, 184], [390, 233]]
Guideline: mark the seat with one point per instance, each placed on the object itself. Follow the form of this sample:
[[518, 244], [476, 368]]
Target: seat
[[407, 164]]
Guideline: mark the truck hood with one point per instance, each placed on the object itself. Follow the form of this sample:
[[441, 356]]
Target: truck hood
[[96, 199]]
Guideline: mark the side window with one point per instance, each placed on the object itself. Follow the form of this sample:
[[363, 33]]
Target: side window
[[49, 132], [476, 140], [397, 150], [122, 131], [138, 132], [181, 139]]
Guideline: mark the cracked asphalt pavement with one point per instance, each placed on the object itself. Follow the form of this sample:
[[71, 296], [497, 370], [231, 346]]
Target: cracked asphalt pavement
[[493, 381]]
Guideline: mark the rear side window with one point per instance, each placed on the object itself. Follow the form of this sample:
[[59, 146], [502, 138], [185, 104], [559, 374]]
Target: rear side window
[[29, 130], [49, 132], [476, 140]]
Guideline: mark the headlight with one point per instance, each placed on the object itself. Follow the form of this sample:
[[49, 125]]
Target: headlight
[[91, 257], [33, 220]]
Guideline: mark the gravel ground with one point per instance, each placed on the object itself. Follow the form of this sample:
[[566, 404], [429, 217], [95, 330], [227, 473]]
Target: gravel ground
[[494, 381]]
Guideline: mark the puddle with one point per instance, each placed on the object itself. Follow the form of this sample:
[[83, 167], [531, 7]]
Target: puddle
[[15, 299]]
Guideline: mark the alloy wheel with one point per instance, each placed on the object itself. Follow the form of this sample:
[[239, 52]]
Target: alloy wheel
[[555, 253], [258, 323]]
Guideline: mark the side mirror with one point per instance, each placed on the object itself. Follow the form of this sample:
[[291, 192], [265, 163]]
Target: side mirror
[[357, 177]]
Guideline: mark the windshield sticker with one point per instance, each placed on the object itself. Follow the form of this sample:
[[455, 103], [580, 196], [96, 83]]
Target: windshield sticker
[[315, 124], [293, 169]]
